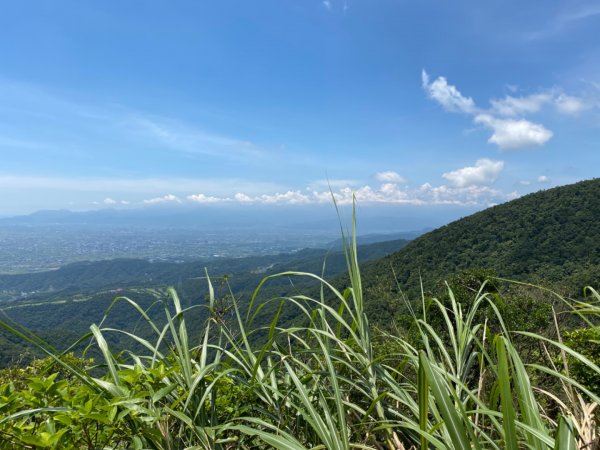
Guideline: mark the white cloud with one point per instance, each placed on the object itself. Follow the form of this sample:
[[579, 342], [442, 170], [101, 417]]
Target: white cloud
[[447, 95], [516, 106], [485, 171], [467, 190], [525, 182], [169, 198], [519, 106], [543, 179], [566, 104], [201, 198], [289, 197], [512, 134], [243, 198], [506, 116], [109, 201], [390, 176], [464, 195]]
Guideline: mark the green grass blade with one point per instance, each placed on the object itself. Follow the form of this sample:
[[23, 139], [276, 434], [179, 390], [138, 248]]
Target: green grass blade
[[565, 436], [458, 429], [508, 410]]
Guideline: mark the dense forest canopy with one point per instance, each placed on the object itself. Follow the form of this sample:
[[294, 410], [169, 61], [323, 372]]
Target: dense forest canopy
[[551, 237]]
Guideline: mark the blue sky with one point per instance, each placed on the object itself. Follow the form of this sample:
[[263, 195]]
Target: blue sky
[[408, 104]]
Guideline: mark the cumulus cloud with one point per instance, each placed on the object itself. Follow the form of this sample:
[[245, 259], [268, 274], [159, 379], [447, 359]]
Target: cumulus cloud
[[458, 193], [508, 134], [516, 106], [543, 179], [201, 198], [506, 116], [390, 176], [109, 201], [513, 134], [289, 197], [242, 198], [447, 95], [485, 171], [467, 186], [169, 198]]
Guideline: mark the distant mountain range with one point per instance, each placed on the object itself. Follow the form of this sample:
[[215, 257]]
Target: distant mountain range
[[372, 219]]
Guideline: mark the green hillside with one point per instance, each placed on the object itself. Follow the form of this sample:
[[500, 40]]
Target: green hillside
[[550, 237]]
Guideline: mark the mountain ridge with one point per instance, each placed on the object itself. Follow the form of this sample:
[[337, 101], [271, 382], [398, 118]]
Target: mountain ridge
[[551, 237]]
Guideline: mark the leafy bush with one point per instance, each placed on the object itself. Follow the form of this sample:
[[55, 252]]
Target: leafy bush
[[586, 342]]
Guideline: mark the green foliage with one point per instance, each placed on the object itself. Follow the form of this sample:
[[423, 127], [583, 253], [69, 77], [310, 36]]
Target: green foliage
[[19, 374], [550, 238], [315, 386], [586, 342]]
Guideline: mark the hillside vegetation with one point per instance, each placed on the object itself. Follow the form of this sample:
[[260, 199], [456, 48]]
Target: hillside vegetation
[[67, 299], [550, 237], [462, 380]]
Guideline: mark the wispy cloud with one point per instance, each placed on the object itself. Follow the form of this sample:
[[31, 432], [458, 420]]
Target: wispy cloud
[[54, 121], [132, 185], [389, 176], [570, 105], [516, 106], [565, 19], [178, 136]]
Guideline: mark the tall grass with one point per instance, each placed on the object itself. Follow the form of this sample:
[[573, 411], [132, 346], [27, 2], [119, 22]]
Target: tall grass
[[318, 384]]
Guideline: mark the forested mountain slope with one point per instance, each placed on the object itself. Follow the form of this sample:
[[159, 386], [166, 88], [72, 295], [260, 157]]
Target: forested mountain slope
[[549, 237]]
